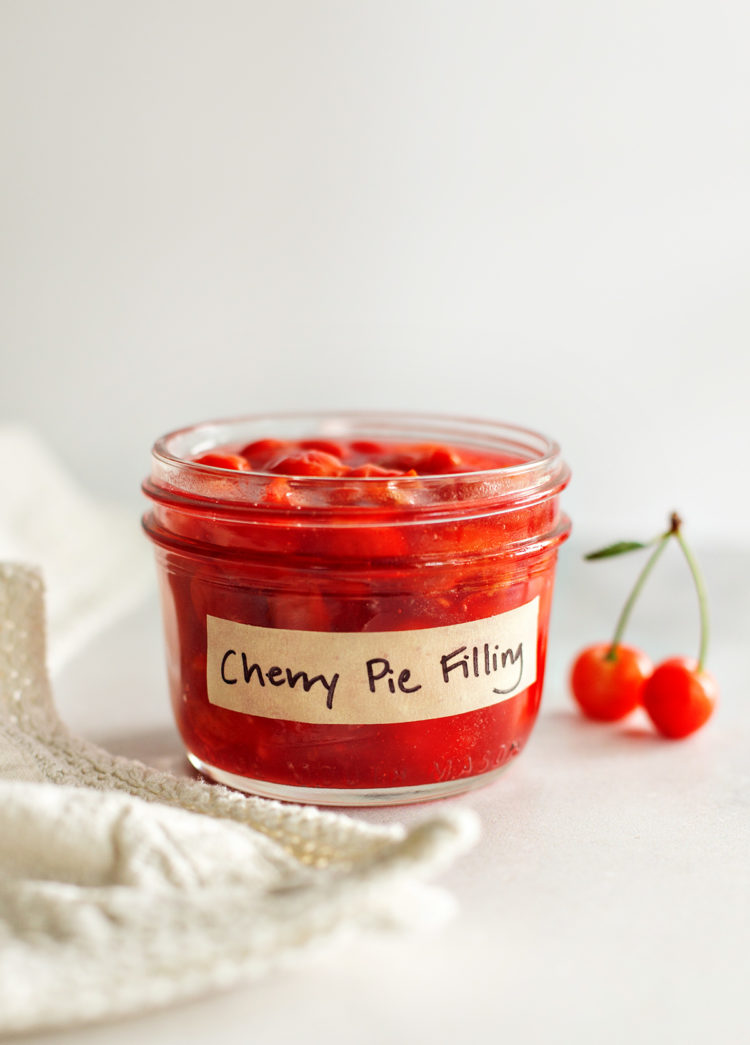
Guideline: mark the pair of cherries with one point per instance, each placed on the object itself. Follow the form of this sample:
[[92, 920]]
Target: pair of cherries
[[610, 679]]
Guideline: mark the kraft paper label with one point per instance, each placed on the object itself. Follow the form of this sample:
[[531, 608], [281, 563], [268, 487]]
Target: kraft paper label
[[371, 677]]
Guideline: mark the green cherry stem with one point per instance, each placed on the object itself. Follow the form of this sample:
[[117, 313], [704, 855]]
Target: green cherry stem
[[661, 543], [700, 589]]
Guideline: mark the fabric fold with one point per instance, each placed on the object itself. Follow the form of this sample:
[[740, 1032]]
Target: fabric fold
[[123, 888]]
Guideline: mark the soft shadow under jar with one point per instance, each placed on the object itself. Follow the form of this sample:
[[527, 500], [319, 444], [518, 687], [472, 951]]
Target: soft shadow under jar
[[356, 606]]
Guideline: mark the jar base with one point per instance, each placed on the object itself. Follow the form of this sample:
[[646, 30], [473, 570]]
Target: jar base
[[336, 796]]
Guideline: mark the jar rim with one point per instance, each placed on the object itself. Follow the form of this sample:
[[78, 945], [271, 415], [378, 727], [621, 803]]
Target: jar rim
[[542, 453], [179, 484]]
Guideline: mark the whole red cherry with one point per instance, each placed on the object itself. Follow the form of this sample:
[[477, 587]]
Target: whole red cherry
[[680, 697], [607, 681]]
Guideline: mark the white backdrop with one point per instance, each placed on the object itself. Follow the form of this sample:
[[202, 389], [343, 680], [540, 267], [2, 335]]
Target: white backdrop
[[537, 212]]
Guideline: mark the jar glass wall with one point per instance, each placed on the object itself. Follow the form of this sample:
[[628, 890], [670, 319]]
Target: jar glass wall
[[359, 637]]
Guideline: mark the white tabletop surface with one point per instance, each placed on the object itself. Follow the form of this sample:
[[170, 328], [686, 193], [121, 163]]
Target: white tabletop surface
[[607, 901]]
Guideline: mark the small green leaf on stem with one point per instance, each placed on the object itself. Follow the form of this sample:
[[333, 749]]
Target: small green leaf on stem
[[616, 549]]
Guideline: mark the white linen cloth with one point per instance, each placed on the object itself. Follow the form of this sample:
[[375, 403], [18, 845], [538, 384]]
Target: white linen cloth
[[123, 888]]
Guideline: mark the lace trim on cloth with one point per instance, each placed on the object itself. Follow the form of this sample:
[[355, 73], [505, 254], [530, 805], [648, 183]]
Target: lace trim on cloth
[[123, 888]]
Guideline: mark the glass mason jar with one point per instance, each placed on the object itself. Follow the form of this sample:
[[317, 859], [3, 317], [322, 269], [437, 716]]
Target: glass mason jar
[[361, 638]]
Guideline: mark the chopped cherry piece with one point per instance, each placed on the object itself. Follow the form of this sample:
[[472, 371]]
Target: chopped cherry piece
[[262, 451], [400, 461], [366, 447], [335, 449], [440, 461], [233, 462], [311, 462], [277, 492], [304, 611]]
